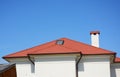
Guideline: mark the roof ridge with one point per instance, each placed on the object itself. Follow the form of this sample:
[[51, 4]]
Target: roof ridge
[[89, 45]]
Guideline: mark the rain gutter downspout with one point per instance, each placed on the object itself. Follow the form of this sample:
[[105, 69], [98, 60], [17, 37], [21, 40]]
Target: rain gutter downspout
[[30, 60], [77, 64]]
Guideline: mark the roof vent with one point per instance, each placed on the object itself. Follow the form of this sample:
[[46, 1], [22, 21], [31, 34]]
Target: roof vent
[[60, 42]]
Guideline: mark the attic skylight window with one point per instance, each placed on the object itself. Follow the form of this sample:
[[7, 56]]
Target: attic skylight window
[[60, 42]]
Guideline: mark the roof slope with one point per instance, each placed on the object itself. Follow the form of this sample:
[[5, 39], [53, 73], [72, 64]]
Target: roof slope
[[69, 46], [4, 67], [117, 60]]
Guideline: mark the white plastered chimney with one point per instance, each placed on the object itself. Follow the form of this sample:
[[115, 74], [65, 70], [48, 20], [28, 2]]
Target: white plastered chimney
[[95, 38]]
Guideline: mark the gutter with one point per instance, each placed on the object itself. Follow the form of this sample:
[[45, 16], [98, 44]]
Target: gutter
[[77, 64]]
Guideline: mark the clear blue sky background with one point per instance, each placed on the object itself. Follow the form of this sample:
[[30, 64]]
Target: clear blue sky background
[[27, 23]]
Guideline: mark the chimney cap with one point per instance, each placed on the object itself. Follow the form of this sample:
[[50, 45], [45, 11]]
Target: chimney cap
[[94, 32]]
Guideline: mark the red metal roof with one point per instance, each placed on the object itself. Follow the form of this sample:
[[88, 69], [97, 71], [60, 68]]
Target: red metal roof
[[69, 46]]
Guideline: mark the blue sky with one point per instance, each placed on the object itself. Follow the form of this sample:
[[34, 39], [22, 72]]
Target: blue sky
[[27, 23]]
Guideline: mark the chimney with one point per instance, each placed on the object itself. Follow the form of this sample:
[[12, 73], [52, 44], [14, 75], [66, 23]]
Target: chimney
[[95, 38]]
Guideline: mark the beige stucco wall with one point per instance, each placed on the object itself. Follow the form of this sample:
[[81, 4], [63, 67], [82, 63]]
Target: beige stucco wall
[[55, 66], [94, 66]]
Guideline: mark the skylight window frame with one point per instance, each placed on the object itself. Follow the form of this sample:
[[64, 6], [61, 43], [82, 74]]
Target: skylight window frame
[[59, 42]]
